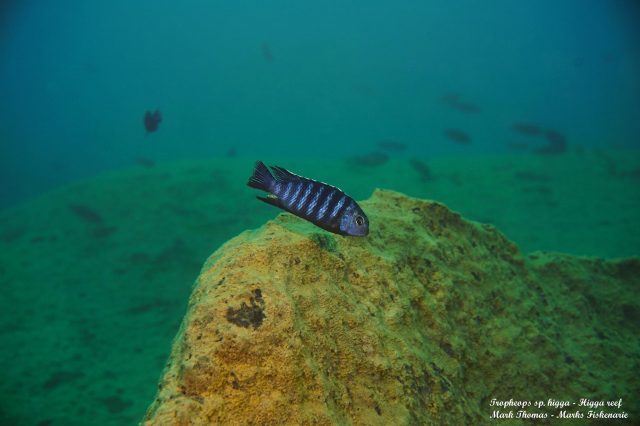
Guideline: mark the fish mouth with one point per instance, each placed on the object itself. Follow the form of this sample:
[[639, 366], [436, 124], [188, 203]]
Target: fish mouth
[[359, 233]]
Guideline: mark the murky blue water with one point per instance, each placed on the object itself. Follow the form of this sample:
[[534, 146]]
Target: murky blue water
[[305, 79]]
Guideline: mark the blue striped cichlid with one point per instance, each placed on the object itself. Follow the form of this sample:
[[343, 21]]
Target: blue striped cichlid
[[321, 204]]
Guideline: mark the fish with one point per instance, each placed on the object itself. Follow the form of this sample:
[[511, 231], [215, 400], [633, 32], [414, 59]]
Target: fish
[[467, 107], [527, 129], [555, 138], [391, 145], [422, 168], [322, 204], [458, 136], [152, 120], [266, 53], [145, 162], [557, 143], [455, 101], [450, 98], [86, 213], [373, 159], [528, 175]]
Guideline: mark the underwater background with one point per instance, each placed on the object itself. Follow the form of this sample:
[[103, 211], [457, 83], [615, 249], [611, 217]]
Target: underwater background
[[524, 115]]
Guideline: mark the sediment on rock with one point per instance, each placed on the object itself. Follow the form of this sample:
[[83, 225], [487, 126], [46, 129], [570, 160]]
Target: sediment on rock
[[422, 322]]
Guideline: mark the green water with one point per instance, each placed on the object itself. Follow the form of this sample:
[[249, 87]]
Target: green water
[[92, 300]]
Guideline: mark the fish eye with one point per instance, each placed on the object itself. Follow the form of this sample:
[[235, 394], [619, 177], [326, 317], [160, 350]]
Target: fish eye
[[359, 220]]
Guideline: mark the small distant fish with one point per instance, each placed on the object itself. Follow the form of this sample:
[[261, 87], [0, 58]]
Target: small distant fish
[[266, 53], [557, 143], [455, 101], [372, 159], [450, 98], [145, 162], [422, 168], [391, 145], [323, 205], [152, 120], [527, 129], [86, 213], [458, 136], [467, 107], [555, 137], [531, 176]]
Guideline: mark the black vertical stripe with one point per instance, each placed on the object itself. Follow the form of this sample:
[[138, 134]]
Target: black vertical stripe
[[283, 191], [329, 192], [307, 202], [337, 196], [293, 200], [323, 187], [313, 189], [305, 187], [343, 208]]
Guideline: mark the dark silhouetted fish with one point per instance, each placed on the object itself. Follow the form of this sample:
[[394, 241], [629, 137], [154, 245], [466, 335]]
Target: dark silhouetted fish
[[422, 168], [152, 120], [373, 159], [635, 173], [557, 143], [323, 205], [555, 137], [145, 162], [391, 145], [86, 213], [450, 97], [531, 176], [266, 53], [527, 129], [455, 101], [458, 136], [467, 107]]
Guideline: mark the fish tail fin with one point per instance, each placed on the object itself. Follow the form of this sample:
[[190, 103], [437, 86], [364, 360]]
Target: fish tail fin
[[261, 178]]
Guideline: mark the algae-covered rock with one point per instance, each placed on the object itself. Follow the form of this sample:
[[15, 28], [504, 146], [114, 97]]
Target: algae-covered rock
[[424, 321]]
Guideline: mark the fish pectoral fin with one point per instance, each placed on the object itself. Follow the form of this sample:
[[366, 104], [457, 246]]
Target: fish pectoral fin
[[271, 199]]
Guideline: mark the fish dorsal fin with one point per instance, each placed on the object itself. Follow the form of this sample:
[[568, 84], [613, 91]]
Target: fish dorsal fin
[[283, 174]]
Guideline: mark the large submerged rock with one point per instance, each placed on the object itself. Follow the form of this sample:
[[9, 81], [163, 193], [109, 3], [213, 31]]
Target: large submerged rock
[[424, 321]]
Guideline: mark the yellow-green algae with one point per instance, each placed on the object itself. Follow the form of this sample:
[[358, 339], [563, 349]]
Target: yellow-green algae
[[422, 322]]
